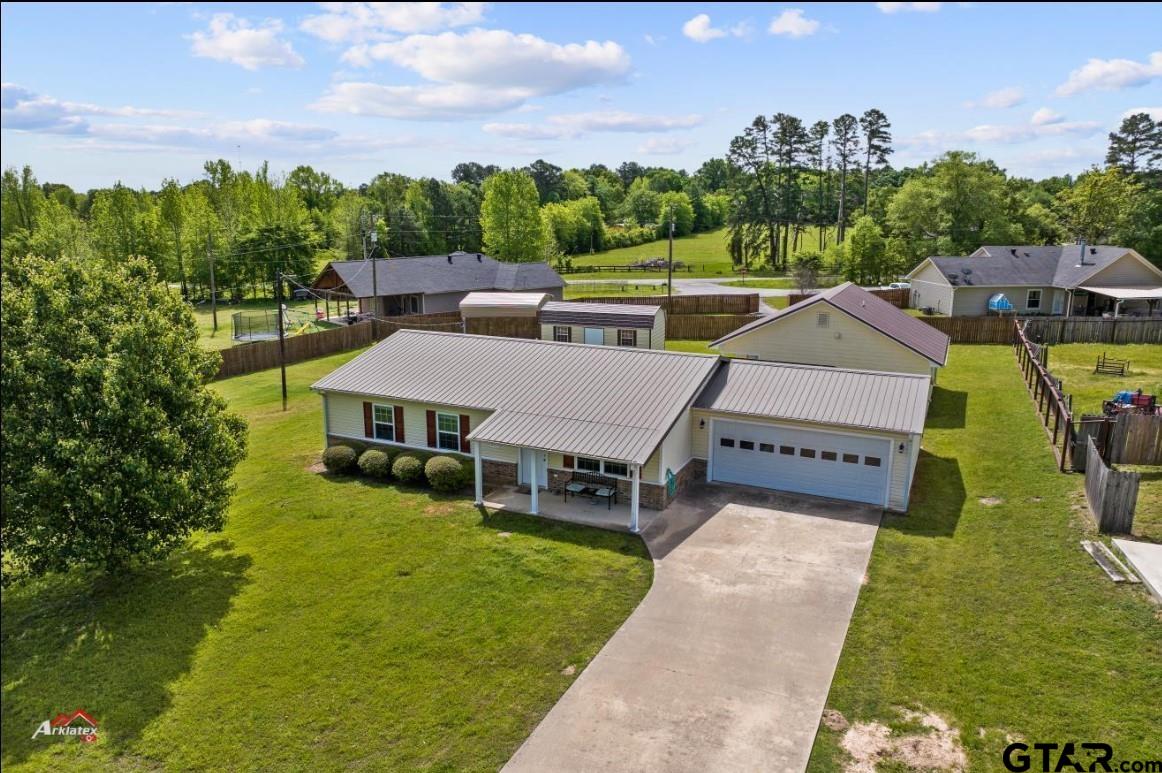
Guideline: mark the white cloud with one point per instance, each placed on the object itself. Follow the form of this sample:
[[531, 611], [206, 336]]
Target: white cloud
[[1004, 134], [909, 7], [474, 73], [234, 40], [361, 22], [1153, 112], [699, 30], [664, 146], [574, 125], [792, 23], [1046, 116], [1111, 75], [1010, 96], [25, 110]]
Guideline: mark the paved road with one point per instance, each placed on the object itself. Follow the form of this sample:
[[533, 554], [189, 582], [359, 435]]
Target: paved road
[[727, 662]]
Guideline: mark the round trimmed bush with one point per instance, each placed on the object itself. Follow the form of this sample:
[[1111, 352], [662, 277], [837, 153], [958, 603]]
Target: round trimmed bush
[[375, 464], [407, 469], [444, 473], [340, 459]]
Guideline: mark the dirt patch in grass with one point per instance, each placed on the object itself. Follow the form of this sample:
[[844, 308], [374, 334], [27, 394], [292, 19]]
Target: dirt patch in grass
[[569, 670], [935, 746], [440, 509], [834, 720], [317, 468], [991, 501]]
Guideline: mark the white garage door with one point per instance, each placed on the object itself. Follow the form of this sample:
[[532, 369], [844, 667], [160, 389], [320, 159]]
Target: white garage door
[[820, 463]]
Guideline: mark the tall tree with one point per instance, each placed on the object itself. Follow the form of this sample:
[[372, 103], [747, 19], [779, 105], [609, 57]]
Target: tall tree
[[172, 213], [816, 148], [548, 179], [1137, 145], [1099, 205], [846, 146], [877, 142], [472, 173], [510, 218], [790, 141], [754, 218]]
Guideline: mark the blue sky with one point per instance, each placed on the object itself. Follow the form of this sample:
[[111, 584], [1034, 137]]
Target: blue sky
[[97, 93]]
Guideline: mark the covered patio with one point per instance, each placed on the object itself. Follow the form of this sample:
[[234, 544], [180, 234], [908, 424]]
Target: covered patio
[[575, 509], [1116, 302]]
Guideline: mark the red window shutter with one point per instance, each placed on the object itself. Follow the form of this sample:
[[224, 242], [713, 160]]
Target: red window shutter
[[399, 436], [569, 462], [368, 430], [431, 429], [465, 447]]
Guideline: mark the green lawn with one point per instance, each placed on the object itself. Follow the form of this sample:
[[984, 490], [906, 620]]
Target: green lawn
[[1074, 364], [334, 624], [694, 347], [778, 283], [705, 254], [222, 339], [601, 289], [992, 616]]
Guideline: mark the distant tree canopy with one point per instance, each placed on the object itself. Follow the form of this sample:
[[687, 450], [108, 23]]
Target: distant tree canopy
[[114, 447]]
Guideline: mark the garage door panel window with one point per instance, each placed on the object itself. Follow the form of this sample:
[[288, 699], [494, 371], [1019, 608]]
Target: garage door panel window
[[807, 453], [767, 448], [746, 445], [872, 461], [787, 450], [726, 442], [829, 456], [851, 458]]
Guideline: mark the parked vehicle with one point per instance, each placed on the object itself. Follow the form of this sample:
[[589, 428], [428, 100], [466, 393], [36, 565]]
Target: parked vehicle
[[900, 286]]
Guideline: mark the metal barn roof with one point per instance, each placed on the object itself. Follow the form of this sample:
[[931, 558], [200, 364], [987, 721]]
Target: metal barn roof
[[480, 304], [599, 314]]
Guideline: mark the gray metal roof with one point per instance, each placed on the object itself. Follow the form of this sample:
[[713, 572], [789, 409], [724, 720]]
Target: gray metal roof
[[599, 314], [605, 401], [434, 274], [890, 402], [1033, 266], [873, 311]]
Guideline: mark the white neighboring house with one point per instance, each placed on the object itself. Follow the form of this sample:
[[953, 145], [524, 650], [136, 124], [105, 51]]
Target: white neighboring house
[[1076, 280]]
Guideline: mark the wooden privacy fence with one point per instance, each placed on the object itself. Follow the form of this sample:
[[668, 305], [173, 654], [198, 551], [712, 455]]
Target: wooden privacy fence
[[704, 327], [1112, 495], [1046, 330], [1053, 406], [1136, 439], [898, 298], [747, 303]]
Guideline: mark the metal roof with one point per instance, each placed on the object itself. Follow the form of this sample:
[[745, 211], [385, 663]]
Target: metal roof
[[605, 401], [890, 402], [599, 314], [1126, 293], [484, 304], [1028, 265], [434, 274], [874, 312]]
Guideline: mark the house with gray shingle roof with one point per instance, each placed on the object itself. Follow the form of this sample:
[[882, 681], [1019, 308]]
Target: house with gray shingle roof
[[1072, 280], [428, 284]]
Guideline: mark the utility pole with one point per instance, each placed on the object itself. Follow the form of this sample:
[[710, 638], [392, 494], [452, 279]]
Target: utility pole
[[670, 268], [213, 285], [374, 280], [281, 331]]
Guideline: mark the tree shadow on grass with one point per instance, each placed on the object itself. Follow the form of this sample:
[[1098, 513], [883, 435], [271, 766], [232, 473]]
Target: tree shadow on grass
[[947, 409], [111, 645], [938, 497]]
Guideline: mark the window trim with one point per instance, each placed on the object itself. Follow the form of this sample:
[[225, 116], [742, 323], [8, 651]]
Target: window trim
[[390, 422], [567, 330], [441, 432], [1029, 298], [621, 332], [868, 461], [601, 469]]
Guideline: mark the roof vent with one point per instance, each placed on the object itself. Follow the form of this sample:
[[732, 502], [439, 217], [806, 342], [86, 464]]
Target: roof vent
[[449, 258], [1014, 251], [1026, 254], [1093, 250], [479, 258], [968, 272]]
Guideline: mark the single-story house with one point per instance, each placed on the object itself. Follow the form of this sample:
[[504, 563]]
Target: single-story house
[[842, 327], [537, 413], [391, 287], [1072, 280], [608, 324]]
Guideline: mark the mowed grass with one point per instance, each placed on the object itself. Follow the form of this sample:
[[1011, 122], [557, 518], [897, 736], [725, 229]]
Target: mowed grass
[[333, 624], [223, 338], [574, 290], [705, 255], [992, 616], [779, 283], [1075, 363]]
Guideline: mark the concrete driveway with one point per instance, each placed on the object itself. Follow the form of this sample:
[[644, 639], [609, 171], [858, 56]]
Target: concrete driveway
[[727, 662]]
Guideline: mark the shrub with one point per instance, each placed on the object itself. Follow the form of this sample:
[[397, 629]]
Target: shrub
[[444, 473], [407, 469], [375, 464], [339, 459]]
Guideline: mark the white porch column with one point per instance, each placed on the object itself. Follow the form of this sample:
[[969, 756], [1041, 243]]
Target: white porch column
[[479, 466], [635, 472], [534, 477]]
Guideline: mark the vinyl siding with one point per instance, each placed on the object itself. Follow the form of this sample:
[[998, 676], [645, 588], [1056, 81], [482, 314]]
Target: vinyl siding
[[796, 338], [608, 334], [676, 447], [974, 301], [934, 294], [1126, 271], [658, 337]]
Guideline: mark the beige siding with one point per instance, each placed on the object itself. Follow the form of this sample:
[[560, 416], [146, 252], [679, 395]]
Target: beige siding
[[844, 343], [577, 334], [901, 474], [675, 448], [974, 301], [658, 336], [1126, 271], [608, 336]]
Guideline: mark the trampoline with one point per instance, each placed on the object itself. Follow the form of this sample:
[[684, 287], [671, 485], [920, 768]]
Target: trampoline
[[259, 324]]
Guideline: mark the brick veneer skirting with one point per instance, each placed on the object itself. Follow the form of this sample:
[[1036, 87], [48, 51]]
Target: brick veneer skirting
[[652, 495], [498, 473]]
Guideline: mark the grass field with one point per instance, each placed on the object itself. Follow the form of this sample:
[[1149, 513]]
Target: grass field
[[1074, 364], [334, 624], [598, 289], [222, 339], [779, 283], [981, 607], [705, 254]]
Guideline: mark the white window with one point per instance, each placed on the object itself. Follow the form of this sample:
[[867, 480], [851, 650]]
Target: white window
[[562, 333], [383, 422], [823, 319], [448, 431], [1033, 299], [584, 464], [601, 467], [627, 338], [616, 469]]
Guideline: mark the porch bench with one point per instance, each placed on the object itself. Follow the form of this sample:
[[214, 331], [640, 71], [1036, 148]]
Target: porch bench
[[591, 484]]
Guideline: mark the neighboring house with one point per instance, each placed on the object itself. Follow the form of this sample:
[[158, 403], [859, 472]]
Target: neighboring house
[[429, 284], [843, 327], [537, 412], [1071, 280], [609, 324]]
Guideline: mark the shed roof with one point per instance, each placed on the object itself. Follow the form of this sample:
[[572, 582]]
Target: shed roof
[[570, 398], [873, 311], [434, 274], [599, 314], [482, 304], [891, 402]]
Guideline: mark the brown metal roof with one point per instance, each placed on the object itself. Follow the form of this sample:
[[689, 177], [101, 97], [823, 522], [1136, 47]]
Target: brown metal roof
[[622, 315], [874, 312], [891, 402]]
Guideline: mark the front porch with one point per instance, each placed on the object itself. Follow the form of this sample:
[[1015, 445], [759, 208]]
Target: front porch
[[575, 509]]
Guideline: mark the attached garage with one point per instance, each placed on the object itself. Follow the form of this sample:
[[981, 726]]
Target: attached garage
[[826, 464], [844, 434]]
